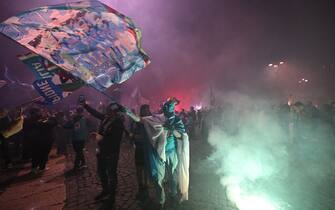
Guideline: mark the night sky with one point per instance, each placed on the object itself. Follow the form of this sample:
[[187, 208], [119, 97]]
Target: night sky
[[227, 44]]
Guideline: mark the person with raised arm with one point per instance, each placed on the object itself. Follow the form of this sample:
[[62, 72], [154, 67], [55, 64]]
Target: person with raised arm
[[109, 138]]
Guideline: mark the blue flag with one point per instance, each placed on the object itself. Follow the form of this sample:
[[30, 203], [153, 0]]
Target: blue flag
[[48, 90], [87, 39]]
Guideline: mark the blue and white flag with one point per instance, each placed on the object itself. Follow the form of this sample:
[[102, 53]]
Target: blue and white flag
[[87, 39], [49, 91]]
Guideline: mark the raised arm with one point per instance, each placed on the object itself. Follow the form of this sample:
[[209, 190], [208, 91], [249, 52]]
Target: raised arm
[[131, 115], [94, 112]]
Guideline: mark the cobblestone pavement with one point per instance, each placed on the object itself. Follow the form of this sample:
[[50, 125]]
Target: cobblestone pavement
[[21, 191], [61, 188], [82, 186]]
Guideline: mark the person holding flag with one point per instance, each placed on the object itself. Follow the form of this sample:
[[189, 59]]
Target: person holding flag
[[109, 137]]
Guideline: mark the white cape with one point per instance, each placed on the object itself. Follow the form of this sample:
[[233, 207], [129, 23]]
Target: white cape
[[157, 137]]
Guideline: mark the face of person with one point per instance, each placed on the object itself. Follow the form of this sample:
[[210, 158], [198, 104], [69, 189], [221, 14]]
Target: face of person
[[146, 111], [111, 110], [168, 109]]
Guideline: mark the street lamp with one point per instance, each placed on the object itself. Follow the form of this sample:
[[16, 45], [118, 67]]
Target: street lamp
[[303, 80], [271, 65]]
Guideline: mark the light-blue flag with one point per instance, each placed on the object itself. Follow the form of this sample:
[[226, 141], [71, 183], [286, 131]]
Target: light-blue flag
[[88, 39]]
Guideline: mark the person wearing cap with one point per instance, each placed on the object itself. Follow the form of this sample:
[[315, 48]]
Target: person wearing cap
[[109, 138]]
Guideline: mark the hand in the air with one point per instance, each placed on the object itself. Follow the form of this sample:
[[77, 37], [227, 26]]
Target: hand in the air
[[82, 100]]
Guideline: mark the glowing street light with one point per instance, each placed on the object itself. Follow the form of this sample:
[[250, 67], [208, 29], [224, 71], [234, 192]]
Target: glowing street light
[[275, 65], [303, 80]]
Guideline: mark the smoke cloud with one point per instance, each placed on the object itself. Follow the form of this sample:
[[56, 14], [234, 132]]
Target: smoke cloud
[[225, 43], [268, 159]]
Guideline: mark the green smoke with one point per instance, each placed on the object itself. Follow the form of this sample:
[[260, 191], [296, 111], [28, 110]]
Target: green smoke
[[269, 163]]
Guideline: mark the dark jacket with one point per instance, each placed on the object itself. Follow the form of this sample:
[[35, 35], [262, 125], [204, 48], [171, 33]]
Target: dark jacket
[[79, 127], [111, 128], [38, 131]]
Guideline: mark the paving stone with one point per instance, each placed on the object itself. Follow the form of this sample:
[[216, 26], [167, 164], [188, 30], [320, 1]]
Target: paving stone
[[46, 191], [49, 192]]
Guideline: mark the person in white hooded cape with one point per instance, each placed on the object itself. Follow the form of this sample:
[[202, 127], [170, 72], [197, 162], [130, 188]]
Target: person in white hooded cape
[[158, 129]]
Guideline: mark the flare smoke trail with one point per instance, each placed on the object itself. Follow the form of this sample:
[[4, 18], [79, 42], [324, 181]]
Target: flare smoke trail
[[262, 167], [16, 81], [6, 74]]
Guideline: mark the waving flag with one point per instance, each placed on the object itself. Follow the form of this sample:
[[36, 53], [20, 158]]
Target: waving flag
[[52, 82], [87, 39]]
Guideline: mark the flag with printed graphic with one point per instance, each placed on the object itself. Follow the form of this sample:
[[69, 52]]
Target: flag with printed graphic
[[58, 83], [87, 39]]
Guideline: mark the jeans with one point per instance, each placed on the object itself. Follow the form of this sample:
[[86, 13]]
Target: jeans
[[78, 147], [107, 171], [40, 154]]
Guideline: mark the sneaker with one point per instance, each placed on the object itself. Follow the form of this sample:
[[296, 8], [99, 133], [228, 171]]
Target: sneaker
[[10, 166], [44, 169], [101, 195], [83, 166], [111, 202], [34, 171]]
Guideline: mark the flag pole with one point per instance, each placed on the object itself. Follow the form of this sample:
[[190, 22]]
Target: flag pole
[[39, 98]]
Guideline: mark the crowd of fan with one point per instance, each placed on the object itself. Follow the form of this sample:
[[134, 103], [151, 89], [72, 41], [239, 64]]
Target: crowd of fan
[[57, 127], [39, 130]]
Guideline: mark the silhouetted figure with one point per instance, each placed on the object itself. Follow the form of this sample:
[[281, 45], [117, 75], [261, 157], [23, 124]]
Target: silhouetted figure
[[39, 129], [109, 137], [79, 128]]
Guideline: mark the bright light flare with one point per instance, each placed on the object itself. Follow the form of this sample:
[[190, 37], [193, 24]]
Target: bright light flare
[[281, 62], [245, 201], [255, 203], [198, 107], [270, 65]]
